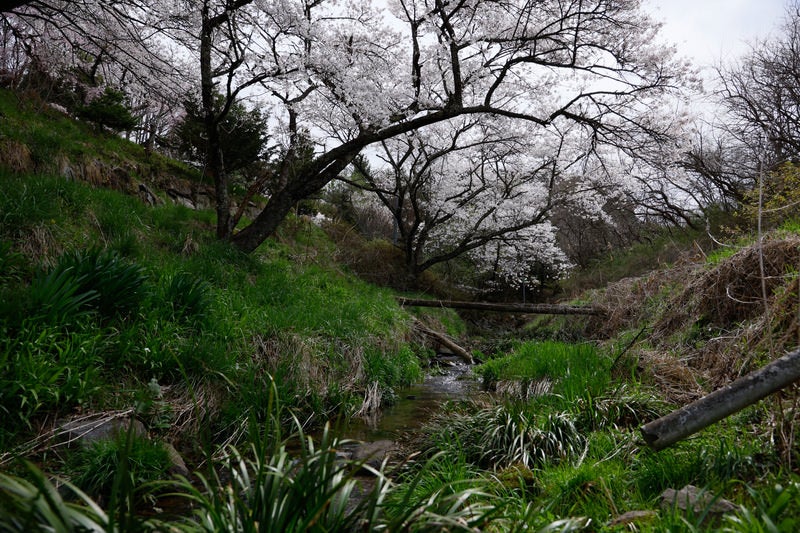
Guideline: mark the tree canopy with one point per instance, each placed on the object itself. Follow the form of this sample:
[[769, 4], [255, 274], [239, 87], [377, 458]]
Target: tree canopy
[[345, 78]]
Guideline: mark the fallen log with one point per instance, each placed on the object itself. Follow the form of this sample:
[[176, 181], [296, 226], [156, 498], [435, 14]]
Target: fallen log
[[445, 341], [723, 402], [542, 309]]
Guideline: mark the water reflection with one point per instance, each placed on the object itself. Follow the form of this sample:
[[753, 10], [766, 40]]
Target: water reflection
[[450, 380]]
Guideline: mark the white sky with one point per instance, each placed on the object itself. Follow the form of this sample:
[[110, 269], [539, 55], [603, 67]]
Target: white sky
[[714, 31]]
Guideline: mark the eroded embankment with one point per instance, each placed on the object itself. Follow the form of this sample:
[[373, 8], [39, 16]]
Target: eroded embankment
[[707, 322]]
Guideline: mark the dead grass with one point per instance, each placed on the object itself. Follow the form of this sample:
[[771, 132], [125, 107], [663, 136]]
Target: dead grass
[[304, 361], [40, 246], [16, 157], [732, 291], [709, 324]]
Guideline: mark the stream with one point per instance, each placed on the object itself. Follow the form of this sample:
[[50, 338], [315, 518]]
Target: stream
[[449, 378]]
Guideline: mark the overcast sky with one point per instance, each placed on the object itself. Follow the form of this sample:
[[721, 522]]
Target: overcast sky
[[711, 31]]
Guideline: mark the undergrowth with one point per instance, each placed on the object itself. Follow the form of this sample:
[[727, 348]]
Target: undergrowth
[[157, 298], [108, 304]]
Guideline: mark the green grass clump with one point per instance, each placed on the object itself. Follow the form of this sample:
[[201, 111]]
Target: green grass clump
[[497, 437], [31, 201], [45, 369], [37, 505], [96, 465], [118, 285], [576, 370], [187, 297]]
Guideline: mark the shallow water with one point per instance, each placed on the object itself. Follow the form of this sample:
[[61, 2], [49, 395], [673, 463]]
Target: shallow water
[[452, 380]]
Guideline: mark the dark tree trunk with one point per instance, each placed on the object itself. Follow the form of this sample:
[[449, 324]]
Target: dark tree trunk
[[214, 168], [279, 206], [312, 180]]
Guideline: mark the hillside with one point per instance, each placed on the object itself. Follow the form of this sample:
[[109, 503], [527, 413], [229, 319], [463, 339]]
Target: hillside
[[113, 296], [120, 307]]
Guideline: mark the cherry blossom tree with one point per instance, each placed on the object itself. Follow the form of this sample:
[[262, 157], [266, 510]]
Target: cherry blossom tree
[[84, 47], [348, 75], [352, 75], [473, 186]]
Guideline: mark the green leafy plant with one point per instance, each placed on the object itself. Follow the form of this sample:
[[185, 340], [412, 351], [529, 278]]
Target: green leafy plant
[[187, 296], [498, 437], [45, 369], [271, 489], [775, 511], [60, 296], [96, 465], [118, 284], [36, 505], [443, 493], [622, 407]]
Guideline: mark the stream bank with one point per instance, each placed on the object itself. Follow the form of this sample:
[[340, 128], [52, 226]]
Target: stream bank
[[449, 378]]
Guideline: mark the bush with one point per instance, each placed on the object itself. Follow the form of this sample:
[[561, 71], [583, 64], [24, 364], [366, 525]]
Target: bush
[[109, 110]]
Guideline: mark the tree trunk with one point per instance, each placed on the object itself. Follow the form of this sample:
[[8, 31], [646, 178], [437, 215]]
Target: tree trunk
[[544, 309], [214, 168], [283, 200], [445, 341], [723, 402], [266, 223]]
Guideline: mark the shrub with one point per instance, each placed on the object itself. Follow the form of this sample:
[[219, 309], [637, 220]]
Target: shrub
[[774, 510], [109, 110]]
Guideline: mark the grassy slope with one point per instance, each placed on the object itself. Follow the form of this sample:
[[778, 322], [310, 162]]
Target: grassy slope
[[286, 310], [291, 312]]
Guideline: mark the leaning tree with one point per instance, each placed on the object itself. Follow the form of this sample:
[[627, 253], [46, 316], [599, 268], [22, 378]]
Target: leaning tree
[[355, 75], [351, 75]]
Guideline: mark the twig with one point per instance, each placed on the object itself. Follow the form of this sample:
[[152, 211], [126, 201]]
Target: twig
[[628, 347]]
